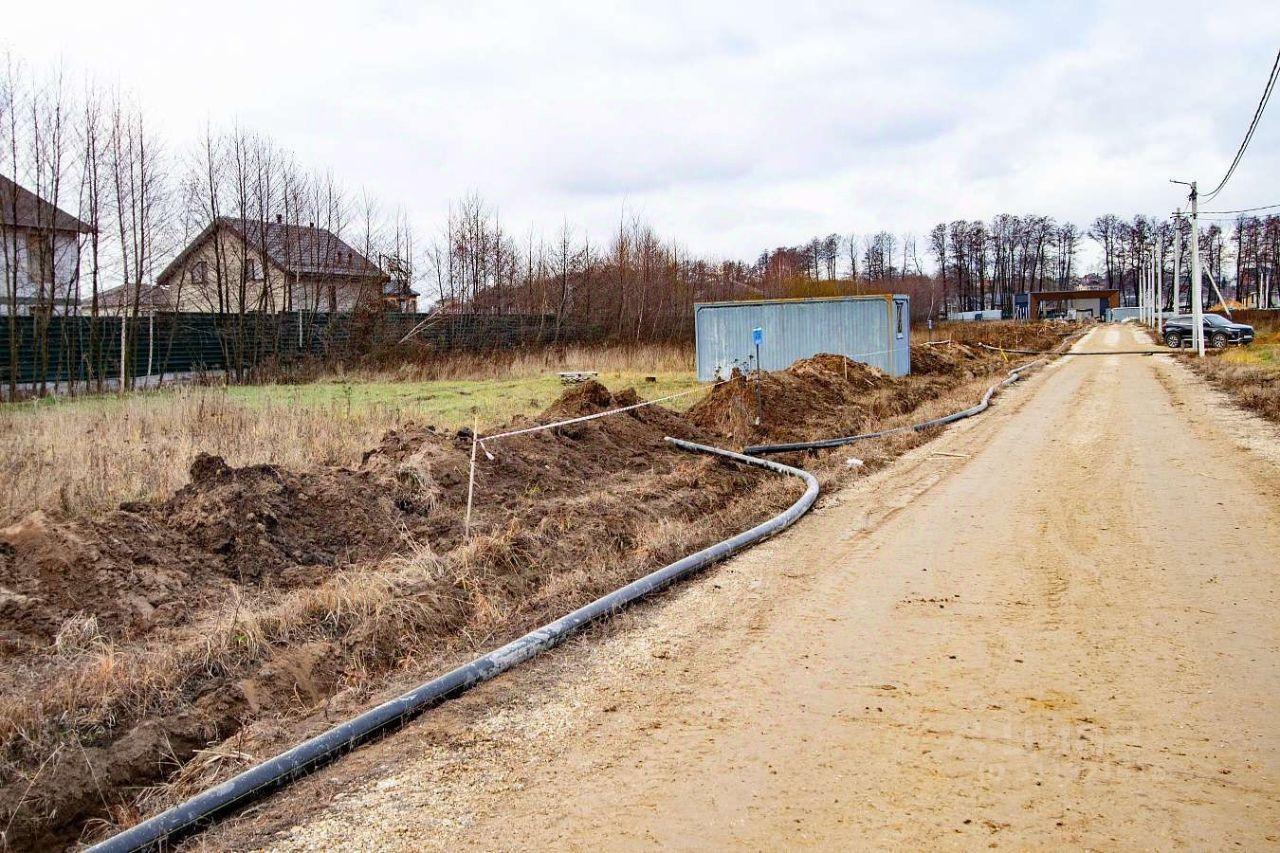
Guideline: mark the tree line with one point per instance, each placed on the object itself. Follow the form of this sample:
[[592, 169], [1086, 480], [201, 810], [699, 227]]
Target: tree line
[[636, 285]]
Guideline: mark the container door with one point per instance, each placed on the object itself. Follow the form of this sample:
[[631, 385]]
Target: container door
[[901, 337]]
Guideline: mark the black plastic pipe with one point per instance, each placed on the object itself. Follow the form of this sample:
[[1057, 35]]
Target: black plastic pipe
[[277, 772], [821, 444]]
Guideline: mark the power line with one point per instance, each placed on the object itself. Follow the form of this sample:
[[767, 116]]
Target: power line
[[1243, 209], [1230, 220], [1244, 144]]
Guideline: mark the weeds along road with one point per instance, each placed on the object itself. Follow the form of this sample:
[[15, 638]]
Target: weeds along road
[[1058, 624]]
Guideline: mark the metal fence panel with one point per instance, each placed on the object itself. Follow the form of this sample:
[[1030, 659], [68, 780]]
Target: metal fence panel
[[1124, 312], [871, 329], [56, 349]]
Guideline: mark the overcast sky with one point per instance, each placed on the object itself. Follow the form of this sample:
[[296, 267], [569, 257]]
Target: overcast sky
[[732, 126]]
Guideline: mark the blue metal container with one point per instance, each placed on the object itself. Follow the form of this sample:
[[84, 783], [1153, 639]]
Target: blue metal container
[[875, 330]]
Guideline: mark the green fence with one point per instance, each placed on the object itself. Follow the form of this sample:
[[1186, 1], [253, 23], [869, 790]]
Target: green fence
[[84, 349]]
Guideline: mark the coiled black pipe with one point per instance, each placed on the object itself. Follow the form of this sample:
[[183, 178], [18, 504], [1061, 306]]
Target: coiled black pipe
[[277, 772], [766, 449]]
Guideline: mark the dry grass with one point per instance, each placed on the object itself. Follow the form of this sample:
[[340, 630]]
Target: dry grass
[[86, 455], [99, 683], [526, 362], [1251, 375], [1254, 386], [1004, 333], [365, 621]]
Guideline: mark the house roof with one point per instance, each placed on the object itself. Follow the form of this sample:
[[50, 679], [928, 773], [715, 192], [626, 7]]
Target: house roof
[[399, 289], [152, 296], [34, 212], [303, 250]]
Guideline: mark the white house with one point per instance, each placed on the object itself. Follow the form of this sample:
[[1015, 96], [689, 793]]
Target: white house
[[39, 254]]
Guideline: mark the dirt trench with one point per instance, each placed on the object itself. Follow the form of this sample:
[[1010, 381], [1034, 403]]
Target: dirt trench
[[561, 516]]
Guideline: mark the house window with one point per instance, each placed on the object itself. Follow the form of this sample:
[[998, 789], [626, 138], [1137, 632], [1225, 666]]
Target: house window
[[899, 316], [251, 270], [200, 273], [39, 258]]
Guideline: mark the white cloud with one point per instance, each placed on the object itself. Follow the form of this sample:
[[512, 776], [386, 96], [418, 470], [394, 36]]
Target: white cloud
[[732, 126]]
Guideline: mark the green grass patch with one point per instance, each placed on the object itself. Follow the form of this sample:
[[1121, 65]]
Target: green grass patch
[[453, 403], [449, 404], [1263, 352]]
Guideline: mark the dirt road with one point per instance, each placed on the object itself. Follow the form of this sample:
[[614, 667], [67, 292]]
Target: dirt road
[[1058, 624]]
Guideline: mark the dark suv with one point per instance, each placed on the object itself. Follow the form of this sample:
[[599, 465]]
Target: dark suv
[[1219, 332]]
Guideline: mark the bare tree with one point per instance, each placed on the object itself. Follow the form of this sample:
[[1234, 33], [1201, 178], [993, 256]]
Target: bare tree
[[1106, 231]]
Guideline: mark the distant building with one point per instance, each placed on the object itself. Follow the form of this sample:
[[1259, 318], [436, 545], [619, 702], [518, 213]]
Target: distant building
[[122, 302], [1077, 304], [241, 265], [397, 293], [39, 254], [399, 297]]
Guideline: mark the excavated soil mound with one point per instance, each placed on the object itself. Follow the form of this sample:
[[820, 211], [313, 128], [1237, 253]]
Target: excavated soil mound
[[146, 565], [945, 359], [961, 354], [814, 397], [518, 470], [1012, 335], [265, 519]]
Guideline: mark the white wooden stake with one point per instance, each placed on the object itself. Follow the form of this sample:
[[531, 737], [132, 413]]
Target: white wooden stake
[[471, 477]]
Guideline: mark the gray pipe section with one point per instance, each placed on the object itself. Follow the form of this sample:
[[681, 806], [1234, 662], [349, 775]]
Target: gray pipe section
[[309, 755], [1014, 375]]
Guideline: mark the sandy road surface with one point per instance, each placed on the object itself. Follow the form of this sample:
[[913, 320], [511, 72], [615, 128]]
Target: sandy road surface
[[1058, 624]]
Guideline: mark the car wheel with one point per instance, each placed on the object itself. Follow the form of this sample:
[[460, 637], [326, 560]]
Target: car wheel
[[1172, 341], [1219, 340]]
